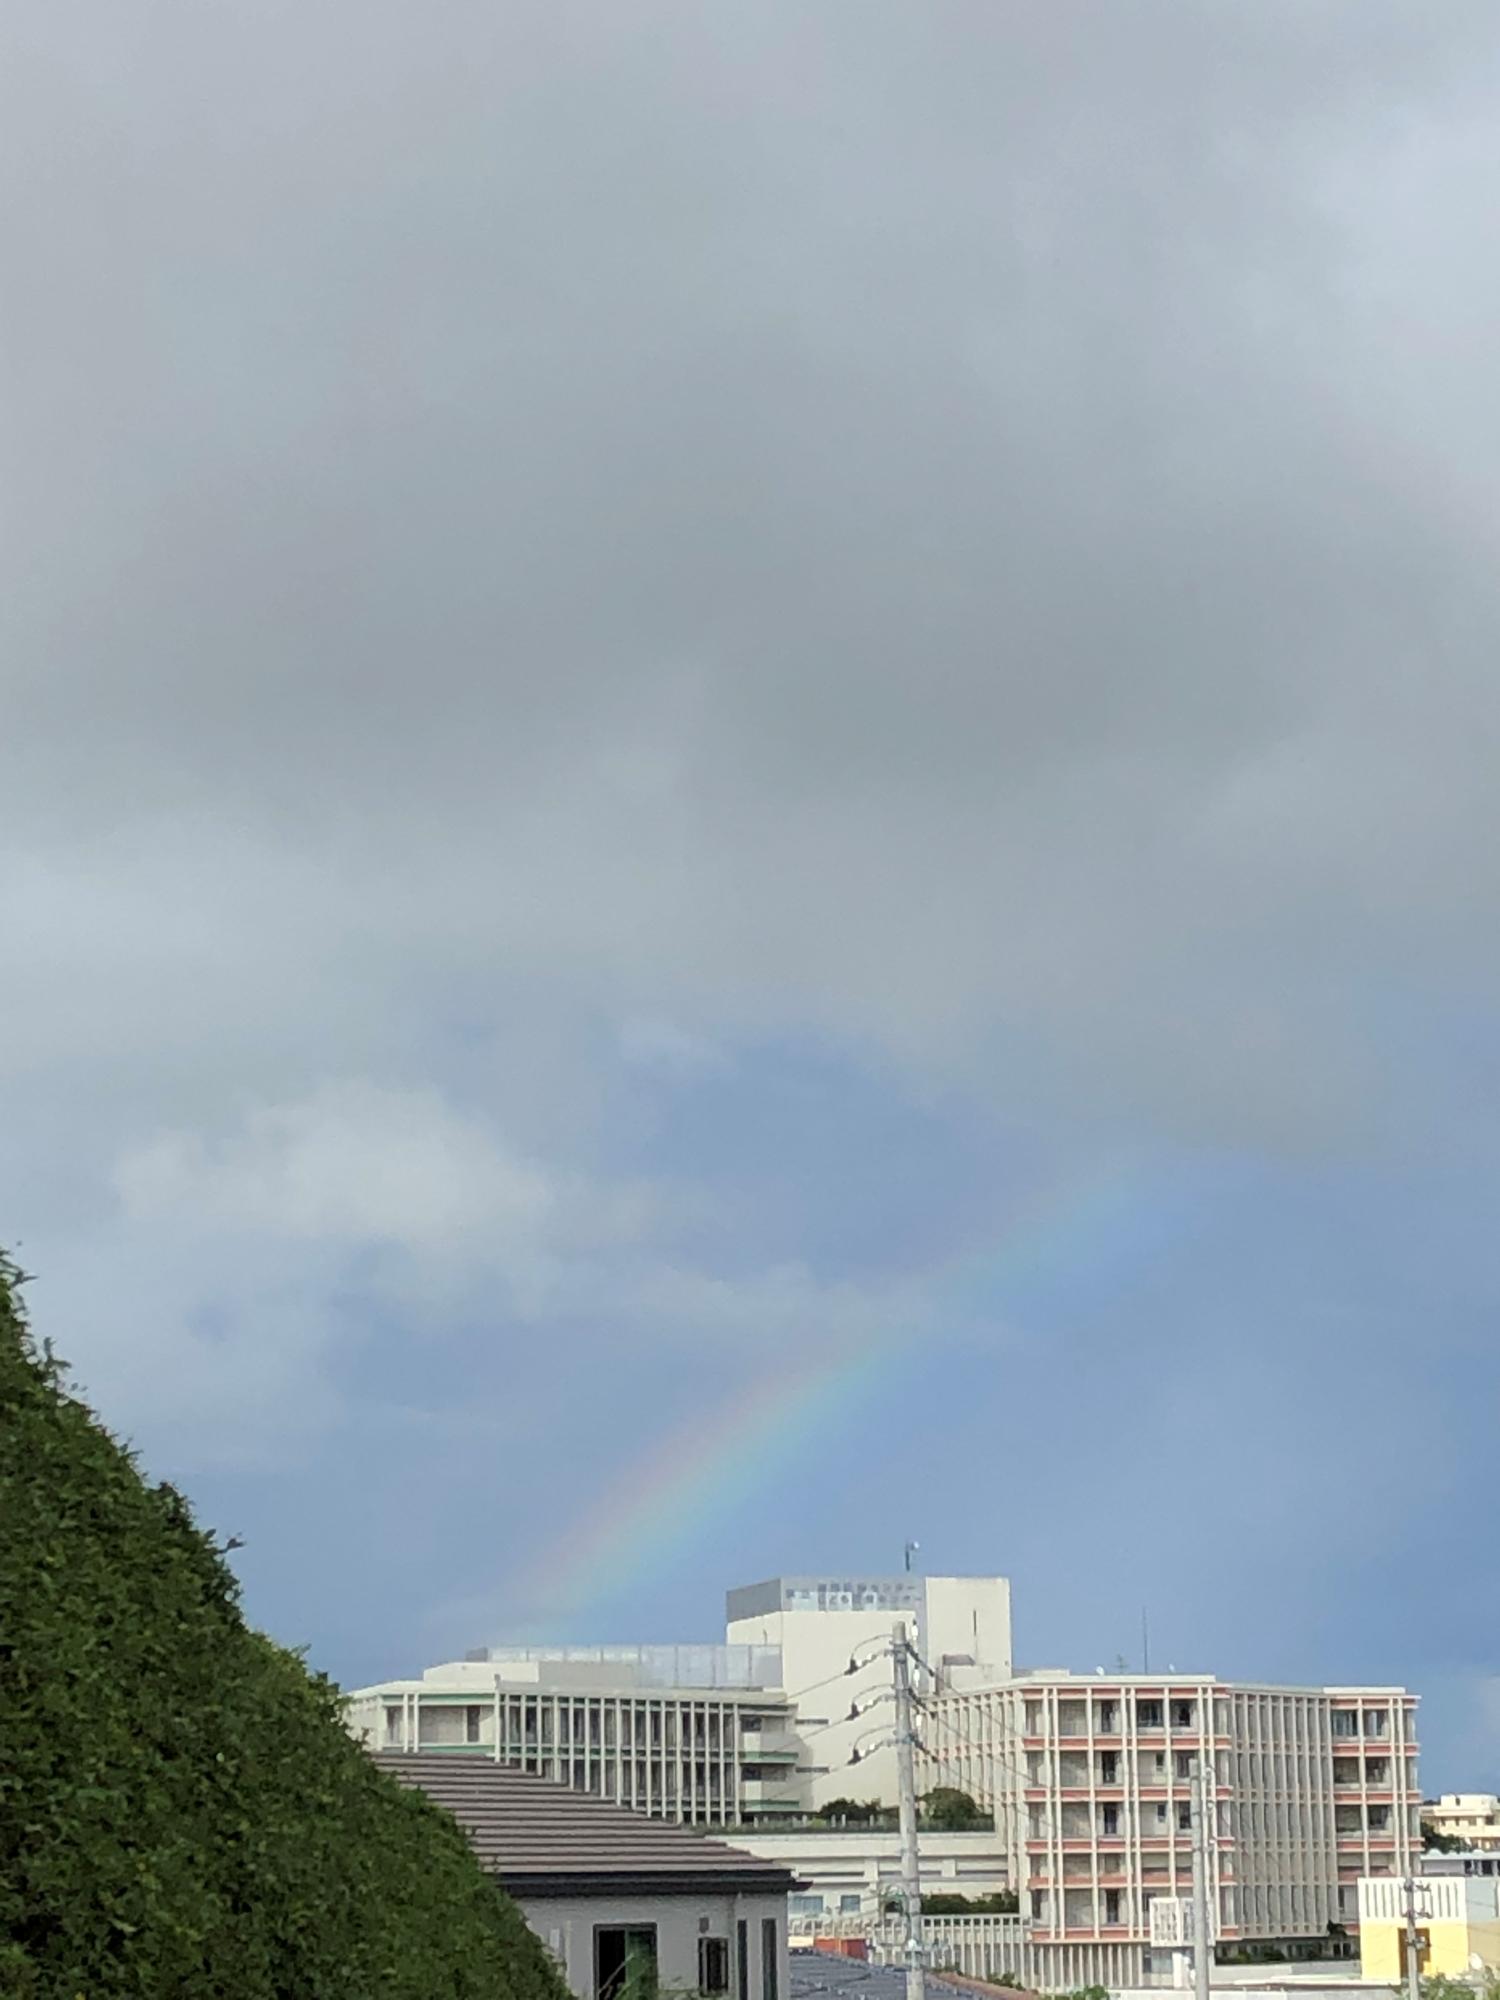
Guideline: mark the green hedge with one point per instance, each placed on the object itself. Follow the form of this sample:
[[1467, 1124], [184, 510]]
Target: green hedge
[[182, 1814]]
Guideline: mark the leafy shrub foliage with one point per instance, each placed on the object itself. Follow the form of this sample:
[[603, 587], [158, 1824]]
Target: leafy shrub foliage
[[181, 1810]]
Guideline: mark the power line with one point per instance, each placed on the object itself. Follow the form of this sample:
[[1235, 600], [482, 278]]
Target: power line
[[855, 1666]]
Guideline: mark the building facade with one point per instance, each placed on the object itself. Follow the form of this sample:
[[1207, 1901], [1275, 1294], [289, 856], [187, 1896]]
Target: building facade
[[699, 1734], [819, 1625], [752, 1732], [1089, 1780], [1472, 1817]]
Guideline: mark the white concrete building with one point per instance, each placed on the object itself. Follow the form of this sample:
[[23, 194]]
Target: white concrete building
[[960, 1626], [694, 1733], [1472, 1817], [1088, 1778], [752, 1731]]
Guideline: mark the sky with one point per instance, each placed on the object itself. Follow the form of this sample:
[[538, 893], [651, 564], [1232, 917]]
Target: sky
[[750, 810]]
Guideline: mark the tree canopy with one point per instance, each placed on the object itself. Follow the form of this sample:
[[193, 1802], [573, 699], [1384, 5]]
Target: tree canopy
[[946, 1809], [181, 1809], [1002, 1903], [855, 1812]]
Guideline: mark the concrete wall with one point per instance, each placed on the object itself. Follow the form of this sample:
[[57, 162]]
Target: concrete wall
[[967, 1616], [816, 1647], [864, 1864], [566, 1926]]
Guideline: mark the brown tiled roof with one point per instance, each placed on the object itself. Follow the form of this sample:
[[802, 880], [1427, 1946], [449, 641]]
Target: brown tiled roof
[[541, 1838]]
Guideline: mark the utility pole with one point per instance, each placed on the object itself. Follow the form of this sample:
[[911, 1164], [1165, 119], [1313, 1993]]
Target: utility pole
[[1413, 1942], [906, 1777], [1199, 1820]]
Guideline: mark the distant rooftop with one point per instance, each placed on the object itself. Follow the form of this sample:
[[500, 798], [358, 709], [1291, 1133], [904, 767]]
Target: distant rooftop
[[666, 1666]]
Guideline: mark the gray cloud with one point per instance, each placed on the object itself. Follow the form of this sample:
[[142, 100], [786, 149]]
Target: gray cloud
[[966, 529]]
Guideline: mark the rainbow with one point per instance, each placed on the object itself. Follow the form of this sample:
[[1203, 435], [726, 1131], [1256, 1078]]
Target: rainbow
[[707, 1470]]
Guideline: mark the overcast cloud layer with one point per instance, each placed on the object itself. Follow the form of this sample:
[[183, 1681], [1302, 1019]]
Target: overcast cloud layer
[[668, 667]]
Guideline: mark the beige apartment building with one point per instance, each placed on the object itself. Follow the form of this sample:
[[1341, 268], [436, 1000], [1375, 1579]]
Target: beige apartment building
[[1472, 1817], [1089, 1777]]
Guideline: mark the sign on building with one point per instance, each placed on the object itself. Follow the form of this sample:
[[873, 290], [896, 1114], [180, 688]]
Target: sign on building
[[1171, 1923]]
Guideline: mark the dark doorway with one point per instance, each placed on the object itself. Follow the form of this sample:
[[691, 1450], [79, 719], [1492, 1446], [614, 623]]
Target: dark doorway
[[713, 1965], [625, 1962]]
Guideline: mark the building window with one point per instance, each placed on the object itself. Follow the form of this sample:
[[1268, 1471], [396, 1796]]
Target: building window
[[1148, 1715], [850, 1906], [804, 1906], [624, 1961], [770, 1960], [1111, 1906], [1182, 1715], [393, 1724], [471, 1724], [742, 1958], [713, 1965]]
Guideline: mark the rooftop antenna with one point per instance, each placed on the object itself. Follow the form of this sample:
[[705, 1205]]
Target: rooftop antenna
[[910, 1550]]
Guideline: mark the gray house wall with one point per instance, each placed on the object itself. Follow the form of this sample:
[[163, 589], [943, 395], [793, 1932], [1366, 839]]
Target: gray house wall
[[566, 1925]]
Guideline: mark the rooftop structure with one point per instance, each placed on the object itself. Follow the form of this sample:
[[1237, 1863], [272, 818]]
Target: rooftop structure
[[690, 1666], [826, 1593]]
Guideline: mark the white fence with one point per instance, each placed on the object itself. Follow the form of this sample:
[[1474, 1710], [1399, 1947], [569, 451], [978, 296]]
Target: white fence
[[984, 1947]]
